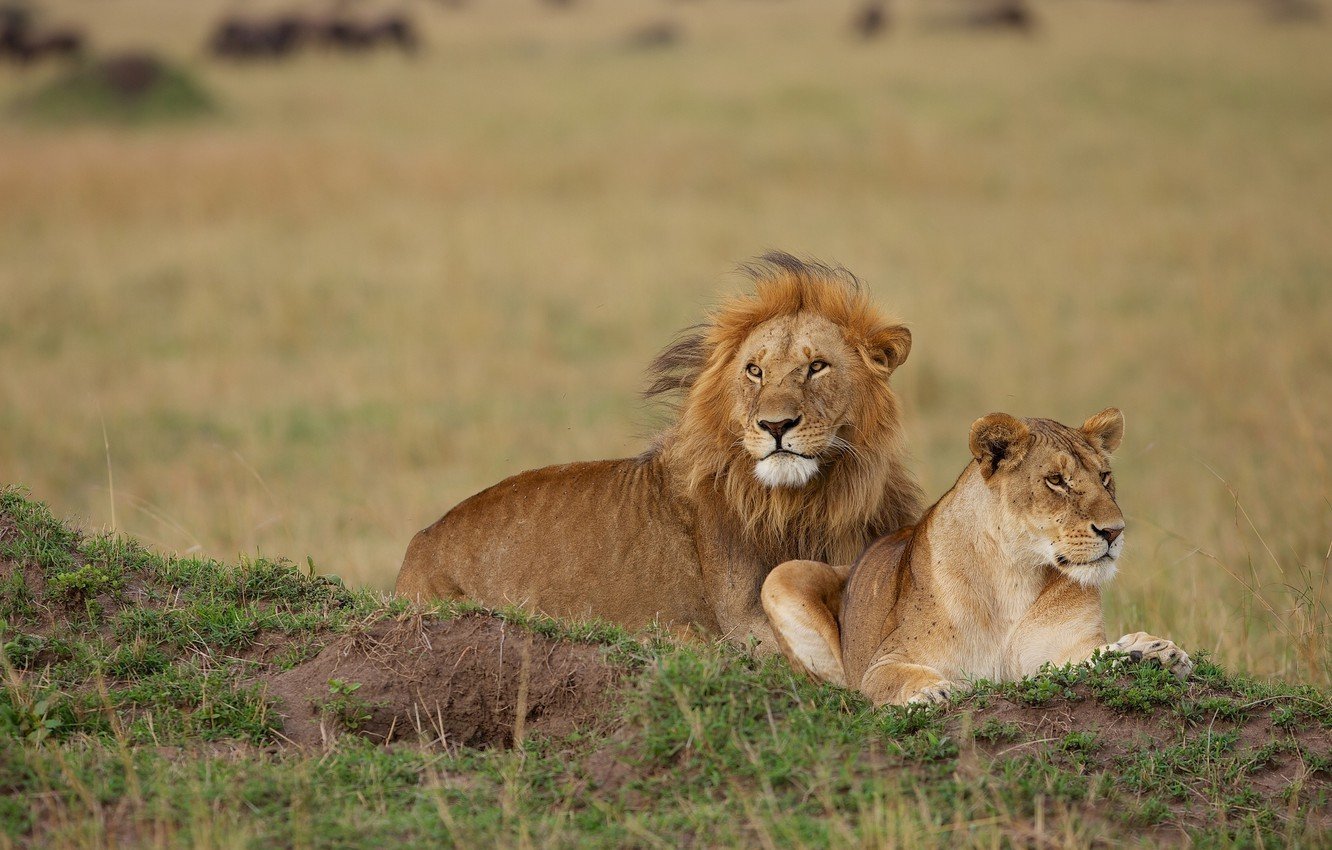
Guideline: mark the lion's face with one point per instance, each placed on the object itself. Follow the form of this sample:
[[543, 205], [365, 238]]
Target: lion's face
[[794, 378], [1055, 491]]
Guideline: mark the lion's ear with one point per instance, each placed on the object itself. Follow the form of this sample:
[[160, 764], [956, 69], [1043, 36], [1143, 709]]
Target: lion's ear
[[890, 346], [998, 441], [1105, 430]]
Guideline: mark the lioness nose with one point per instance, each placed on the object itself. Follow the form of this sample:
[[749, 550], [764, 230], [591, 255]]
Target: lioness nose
[[1109, 534], [778, 427]]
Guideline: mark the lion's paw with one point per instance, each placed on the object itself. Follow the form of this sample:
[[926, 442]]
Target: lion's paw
[[1141, 646], [934, 694]]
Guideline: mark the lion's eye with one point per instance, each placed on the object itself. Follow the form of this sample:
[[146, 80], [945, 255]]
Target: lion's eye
[[754, 371], [817, 366], [1054, 479]]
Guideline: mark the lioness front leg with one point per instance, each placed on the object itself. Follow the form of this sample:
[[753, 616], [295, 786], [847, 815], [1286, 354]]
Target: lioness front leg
[[892, 682], [1140, 646]]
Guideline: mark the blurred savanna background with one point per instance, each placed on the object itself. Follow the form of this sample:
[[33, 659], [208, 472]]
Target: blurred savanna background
[[302, 301]]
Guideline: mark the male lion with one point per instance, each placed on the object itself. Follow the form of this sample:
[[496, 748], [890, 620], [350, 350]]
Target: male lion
[[1000, 576], [787, 445]]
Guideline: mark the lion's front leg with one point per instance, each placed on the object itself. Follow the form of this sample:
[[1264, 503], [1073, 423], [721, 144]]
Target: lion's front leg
[[1140, 646], [801, 599]]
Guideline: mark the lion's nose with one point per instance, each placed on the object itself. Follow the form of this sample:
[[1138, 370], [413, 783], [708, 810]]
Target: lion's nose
[[777, 428], [1110, 533]]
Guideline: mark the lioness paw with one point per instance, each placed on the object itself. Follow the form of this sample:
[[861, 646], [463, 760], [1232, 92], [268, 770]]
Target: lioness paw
[[1141, 646], [939, 692]]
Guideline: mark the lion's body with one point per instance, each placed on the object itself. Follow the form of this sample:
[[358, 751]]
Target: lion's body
[[1000, 576], [497, 547], [803, 460]]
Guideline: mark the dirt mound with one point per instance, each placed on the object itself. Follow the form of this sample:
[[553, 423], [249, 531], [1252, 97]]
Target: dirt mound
[[1215, 711], [130, 88], [1173, 754], [474, 681]]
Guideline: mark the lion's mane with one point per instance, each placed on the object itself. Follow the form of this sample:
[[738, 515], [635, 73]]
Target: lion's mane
[[864, 491]]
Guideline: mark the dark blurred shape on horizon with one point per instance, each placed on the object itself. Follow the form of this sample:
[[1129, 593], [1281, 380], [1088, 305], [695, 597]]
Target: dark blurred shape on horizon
[[871, 21], [23, 43], [659, 34], [1003, 14], [237, 37], [1294, 11]]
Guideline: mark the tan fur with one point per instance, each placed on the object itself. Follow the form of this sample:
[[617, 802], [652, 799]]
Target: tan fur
[[685, 533], [806, 629], [1000, 576]]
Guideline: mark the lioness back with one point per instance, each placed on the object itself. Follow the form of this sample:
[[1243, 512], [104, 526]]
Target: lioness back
[[579, 540]]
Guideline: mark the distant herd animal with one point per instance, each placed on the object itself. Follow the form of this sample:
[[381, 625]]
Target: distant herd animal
[[24, 43], [779, 510], [254, 38]]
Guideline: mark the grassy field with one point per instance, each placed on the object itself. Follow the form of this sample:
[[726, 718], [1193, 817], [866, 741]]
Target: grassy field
[[368, 287], [158, 702]]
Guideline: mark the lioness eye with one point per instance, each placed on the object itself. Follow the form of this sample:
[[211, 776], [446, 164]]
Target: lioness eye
[[1054, 479], [817, 366], [754, 370]]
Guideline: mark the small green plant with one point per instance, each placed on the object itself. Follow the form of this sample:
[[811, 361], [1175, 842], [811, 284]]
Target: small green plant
[[15, 598], [1080, 742], [31, 720], [997, 732], [927, 745], [137, 658], [20, 650], [86, 582], [300, 650], [1284, 717], [1152, 811], [1039, 690], [344, 706], [1141, 689]]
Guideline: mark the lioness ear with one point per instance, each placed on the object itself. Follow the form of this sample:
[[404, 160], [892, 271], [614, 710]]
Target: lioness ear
[[998, 441], [1105, 430], [890, 346]]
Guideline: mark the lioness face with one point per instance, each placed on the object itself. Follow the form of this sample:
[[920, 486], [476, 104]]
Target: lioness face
[[795, 378], [1056, 491]]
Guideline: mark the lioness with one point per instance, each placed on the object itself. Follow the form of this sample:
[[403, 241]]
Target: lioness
[[1000, 576], [787, 445]]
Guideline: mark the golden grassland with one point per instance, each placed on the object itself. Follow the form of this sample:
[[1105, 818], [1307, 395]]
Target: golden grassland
[[371, 286]]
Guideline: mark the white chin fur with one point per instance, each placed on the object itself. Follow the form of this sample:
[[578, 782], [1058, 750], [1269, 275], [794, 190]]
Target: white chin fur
[[785, 470], [1094, 574]]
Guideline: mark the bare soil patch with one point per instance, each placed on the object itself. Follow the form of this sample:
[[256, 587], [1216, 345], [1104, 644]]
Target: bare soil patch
[[473, 681]]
